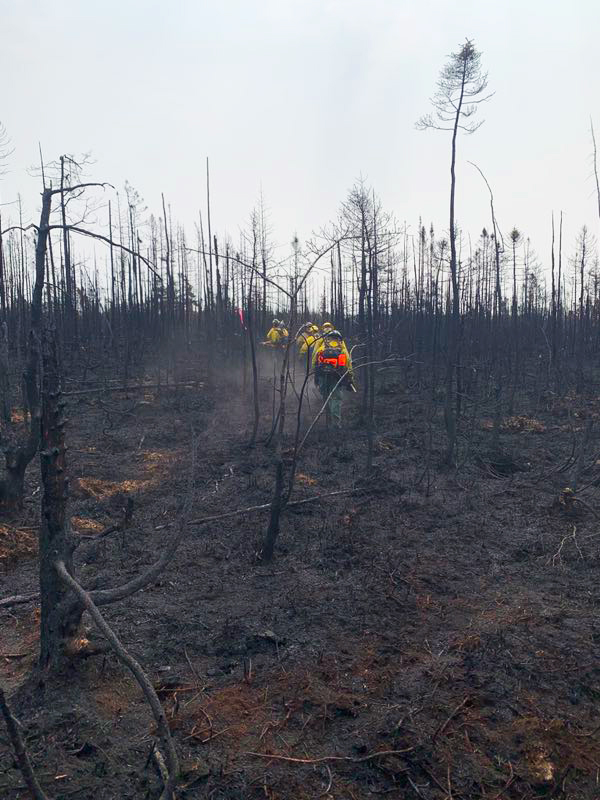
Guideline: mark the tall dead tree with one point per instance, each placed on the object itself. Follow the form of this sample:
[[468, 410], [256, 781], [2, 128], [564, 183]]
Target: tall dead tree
[[460, 90], [595, 161], [19, 456]]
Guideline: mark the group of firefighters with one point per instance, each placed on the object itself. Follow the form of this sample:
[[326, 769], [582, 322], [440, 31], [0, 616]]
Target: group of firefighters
[[323, 350]]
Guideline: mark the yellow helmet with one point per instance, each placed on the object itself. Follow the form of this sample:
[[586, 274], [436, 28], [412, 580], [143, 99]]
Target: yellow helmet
[[327, 326], [314, 328]]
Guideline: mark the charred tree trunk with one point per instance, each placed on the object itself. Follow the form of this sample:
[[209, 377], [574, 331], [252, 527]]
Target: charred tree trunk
[[452, 353], [17, 458], [4, 374], [250, 335], [60, 615], [277, 506]]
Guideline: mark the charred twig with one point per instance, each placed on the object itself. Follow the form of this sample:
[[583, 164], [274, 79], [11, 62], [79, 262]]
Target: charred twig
[[209, 720], [192, 668], [325, 792], [557, 557], [208, 738], [415, 787], [507, 784], [443, 727], [370, 757], [440, 785], [20, 752]]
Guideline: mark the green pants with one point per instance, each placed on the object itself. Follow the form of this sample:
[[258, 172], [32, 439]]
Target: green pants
[[326, 384]]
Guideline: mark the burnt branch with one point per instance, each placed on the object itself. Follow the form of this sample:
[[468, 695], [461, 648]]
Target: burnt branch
[[267, 507], [136, 670], [102, 597], [107, 240], [19, 599], [79, 186], [20, 752]]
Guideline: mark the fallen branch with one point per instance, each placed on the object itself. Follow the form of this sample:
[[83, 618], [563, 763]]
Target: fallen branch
[[161, 767], [136, 670], [132, 388], [102, 597], [379, 754], [18, 599], [20, 752], [266, 507]]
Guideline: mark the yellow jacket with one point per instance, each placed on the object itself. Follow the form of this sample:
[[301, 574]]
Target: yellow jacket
[[305, 341], [277, 336], [306, 338], [320, 345]]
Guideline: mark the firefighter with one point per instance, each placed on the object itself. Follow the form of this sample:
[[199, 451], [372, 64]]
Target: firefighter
[[277, 336], [306, 338], [332, 368]]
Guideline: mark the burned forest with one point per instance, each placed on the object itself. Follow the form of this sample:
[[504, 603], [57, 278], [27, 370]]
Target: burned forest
[[317, 520]]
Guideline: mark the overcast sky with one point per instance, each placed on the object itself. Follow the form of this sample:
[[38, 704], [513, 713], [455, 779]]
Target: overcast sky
[[300, 98]]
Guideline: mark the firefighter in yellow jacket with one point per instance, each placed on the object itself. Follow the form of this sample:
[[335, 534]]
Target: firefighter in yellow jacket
[[306, 339], [331, 362], [278, 335]]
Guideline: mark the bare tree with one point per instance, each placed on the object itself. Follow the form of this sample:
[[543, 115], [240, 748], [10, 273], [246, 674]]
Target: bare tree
[[460, 90], [18, 456]]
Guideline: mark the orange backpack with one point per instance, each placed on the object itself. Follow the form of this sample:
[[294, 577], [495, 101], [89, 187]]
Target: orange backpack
[[332, 357]]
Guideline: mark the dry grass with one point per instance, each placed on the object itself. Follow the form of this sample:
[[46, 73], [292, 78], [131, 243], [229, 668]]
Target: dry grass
[[522, 424], [100, 489], [86, 525], [154, 468], [306, 480], [16, 543], [19, 648], [515, 424], [280, 714]]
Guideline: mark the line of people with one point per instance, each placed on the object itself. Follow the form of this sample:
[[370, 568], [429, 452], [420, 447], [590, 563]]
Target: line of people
[[324, 351]]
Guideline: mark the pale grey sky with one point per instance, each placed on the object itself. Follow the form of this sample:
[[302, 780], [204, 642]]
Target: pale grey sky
[[300, 97]]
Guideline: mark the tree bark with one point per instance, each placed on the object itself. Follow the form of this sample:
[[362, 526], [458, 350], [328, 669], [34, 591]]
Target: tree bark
[[60, 617]]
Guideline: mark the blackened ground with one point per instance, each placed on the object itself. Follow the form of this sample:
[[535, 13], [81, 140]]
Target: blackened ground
[[434, 634]]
